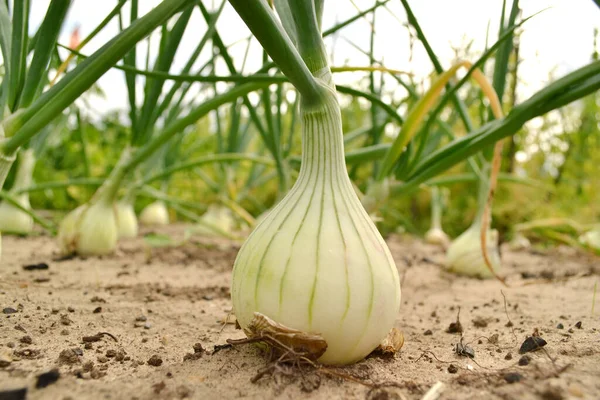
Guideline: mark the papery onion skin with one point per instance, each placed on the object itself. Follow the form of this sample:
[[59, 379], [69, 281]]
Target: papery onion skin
[[317, 263]]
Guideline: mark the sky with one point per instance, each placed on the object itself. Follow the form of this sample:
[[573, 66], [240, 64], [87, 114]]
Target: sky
[[553, 43]]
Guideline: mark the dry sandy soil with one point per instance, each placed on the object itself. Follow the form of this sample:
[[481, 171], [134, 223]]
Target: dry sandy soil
[[154, 304]]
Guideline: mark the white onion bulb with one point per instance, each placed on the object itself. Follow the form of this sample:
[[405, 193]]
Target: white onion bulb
[[155, 214], [317, 263]]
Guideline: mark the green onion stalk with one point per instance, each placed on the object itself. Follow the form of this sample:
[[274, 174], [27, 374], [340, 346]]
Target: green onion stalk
[[464, 255], [13, 219], [316, 265]]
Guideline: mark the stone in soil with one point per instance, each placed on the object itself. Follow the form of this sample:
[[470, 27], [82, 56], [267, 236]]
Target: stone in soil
[[532, 343]]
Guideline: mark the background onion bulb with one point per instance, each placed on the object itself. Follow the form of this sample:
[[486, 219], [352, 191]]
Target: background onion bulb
[[437, 236], [89, 230], [317, 263], [464, 256], [13, 220], [127, 224], [155, 214]]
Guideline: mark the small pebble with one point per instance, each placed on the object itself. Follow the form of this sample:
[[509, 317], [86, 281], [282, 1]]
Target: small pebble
[[578, 325], [97, 310], [508, 356], [532, 343], [428, 332], [9, 310], [70, 309], [560, 326], [452, 369], [524, 360]]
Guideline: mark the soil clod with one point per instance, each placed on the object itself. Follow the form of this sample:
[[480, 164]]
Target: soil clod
[[455, 327], [155, 361], [452, 369], [513, 377], [70, 356]]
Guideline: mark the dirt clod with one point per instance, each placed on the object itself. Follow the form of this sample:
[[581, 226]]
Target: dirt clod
[[452, 369], [155, 361], [26, 339], [70, 356], [513, 377]]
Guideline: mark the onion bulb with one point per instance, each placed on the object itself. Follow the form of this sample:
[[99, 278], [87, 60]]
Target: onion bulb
[[215, 221], [464, 255], [89, 230], [437, 236], [155, 214], [519, 242], [591, 238], [317, 263], [13, 220], [127, 224]]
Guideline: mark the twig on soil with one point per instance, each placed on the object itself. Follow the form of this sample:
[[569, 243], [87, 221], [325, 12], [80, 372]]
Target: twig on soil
[[98, 336], [512, 325]]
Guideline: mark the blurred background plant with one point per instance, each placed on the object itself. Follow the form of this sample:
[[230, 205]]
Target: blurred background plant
[[238, 156]]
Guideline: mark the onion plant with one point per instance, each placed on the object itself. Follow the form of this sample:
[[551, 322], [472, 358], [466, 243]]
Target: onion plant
[[27, 105]]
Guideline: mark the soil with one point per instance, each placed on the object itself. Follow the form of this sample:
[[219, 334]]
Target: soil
[[148, 323]]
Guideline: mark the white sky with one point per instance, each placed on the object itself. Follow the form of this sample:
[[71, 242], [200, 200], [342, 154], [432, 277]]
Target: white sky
[[553, 43]]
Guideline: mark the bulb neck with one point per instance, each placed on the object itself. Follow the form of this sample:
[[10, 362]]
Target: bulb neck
[[322, 140], [25, 168], [6, 161], [436, 208], [107, 193]]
